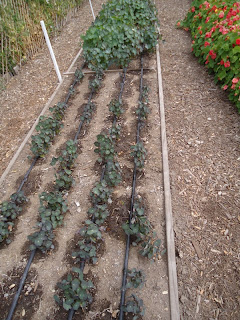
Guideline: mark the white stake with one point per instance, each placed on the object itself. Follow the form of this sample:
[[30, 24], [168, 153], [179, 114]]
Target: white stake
[[51, 51], [92, 9]]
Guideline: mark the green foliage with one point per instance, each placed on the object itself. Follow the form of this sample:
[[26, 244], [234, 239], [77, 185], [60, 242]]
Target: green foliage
[[121, 30], [91, 232], [69, 154], [151, 247], [140, 226], [96, 82], [79, 75], [112, 173], [114, 131], [143, 110], [98, 213], [58, 110], [75, 291], [101, 194], [105, 148], [215, 28], [47, 127], [9, 210], [87, 252], [42, 239], [136, 278], [134, 306], [139, 154], [115, 107], [52, 207], [87, 113]]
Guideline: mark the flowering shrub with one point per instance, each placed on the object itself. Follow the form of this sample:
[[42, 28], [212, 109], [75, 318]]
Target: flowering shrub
[[215, 29]]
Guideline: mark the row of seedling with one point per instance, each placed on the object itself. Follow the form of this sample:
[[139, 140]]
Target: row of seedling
[[75, 291], [47, 128], [138, 228]]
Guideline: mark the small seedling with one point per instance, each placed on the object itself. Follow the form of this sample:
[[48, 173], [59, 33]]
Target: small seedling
[[98, 214], [105, 148], [136, 278], [75, 291], [87, 112], [134, 306], [115, 107], [87, 252], [91, 232], [101, 194], [139, 154], [112, 174]]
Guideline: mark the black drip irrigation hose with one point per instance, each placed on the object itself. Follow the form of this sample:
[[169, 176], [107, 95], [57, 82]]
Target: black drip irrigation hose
[[21, 284], [125, 265], [27, 173], [82, 263]]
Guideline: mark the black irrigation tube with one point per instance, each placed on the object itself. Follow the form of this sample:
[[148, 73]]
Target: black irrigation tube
[[33, 252], [125, 265], [82, 263]]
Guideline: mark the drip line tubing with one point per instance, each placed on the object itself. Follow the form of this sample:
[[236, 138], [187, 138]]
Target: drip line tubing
[[126, 258], [27, 173], [21, 284]]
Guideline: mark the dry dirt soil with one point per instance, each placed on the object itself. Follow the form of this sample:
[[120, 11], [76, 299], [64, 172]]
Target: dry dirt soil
[[203, 140]]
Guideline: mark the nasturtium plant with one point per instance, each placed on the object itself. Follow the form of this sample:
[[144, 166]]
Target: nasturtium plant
[[79, 75], [143, 110], [134, 306], [151, 247], [139, 154], [96, 82], [42, 240], [215, 28], [75, 291], [68, 156], [114, 131], [87, 252], [136, 278], [58, 110]]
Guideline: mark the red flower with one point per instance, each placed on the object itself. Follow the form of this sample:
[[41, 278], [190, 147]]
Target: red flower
[[206, 44], [208, 35], [221, 15], [235, 80], [222, 62], [238, 42], [225, 87], [193, 9], [208, 18], [227, 64]]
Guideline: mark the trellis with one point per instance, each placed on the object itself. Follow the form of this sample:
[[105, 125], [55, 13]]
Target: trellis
[[17, 46]]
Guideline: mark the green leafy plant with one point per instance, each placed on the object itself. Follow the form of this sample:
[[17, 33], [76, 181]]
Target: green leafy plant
[[115, 107], [136, 278], [98, 213], [114, 131], [112, 173], [9, 210], [96, 82], [101, 194], [47, 127], [105, 148], [143, 110], [215, 28], [88, 110], [139, 226], [151, 247], [91, 232], [75, 291], [87, 252], [42, 239], [121, 30], [79, 75], [58, 110], [139, 154], [134, 306], [52, 207], [69, 154]]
